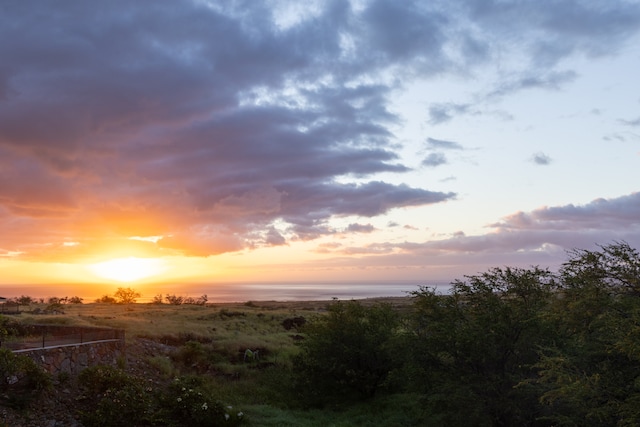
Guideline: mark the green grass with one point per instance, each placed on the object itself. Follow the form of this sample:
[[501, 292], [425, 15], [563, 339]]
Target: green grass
[[388, 411], [222, 332]]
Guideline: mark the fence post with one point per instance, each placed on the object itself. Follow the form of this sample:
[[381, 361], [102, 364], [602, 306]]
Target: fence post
[[43, 339], [80, 336]]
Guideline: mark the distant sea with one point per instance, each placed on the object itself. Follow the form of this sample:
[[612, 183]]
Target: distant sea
[[241, 292], [233, 292]]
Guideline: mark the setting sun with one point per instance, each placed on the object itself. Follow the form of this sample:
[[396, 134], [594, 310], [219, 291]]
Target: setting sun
[[128, 269]]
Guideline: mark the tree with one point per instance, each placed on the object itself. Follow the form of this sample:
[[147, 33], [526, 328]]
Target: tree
[[474, 350], [202, 300], [25, 300], [591, 376], [126, 295], [347, 353]]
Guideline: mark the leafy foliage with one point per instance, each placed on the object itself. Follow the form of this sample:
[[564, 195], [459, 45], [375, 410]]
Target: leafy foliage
[[116, 398], [592, 373], [174, 299], [475, 346], [126, 295], [347, 353], [106, 299], [190, 402], [21, 380]]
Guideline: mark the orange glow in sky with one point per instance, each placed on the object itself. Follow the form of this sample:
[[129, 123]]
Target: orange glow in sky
[[128, 269], [412, 142]]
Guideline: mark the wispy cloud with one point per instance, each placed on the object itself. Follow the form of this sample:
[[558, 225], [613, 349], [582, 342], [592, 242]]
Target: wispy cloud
[[442, 113], [443, 144], [634, 122]]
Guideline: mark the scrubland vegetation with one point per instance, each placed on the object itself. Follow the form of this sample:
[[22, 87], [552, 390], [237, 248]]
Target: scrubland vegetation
[[510, 346]]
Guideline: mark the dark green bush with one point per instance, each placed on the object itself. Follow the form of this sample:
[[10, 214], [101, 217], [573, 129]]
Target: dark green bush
[[193, 356], [190, 402], [347, 354], [114, 398], [21, 379]]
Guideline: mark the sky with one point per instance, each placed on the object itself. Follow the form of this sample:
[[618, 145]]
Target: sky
[[201, 141]]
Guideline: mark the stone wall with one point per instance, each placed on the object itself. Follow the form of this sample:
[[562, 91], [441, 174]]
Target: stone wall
[[73, 358]]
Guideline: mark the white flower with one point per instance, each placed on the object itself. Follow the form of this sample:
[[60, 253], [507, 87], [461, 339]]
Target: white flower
[[179, 399], [205, 406], [226, 417], [240, 414]]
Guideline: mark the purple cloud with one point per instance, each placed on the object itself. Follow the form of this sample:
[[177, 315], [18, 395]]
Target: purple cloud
[[207, 124]]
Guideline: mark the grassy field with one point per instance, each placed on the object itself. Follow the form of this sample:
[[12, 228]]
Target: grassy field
[[165, 341]]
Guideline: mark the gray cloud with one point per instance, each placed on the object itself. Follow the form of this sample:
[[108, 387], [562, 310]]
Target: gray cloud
[[441, 113], [434, 159], [617, 213], [635, 122], [208, 123], [360, 228], [540, 237], [443, 144], [541, 159], [552, 81]]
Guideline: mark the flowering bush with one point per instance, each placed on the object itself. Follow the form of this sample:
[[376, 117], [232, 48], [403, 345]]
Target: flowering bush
[[114, 398], [190, 402]]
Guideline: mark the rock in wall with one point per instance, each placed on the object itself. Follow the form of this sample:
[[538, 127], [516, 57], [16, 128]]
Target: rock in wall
[[74, 358]]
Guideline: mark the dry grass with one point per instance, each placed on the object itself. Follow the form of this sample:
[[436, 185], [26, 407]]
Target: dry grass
[[230, 327]]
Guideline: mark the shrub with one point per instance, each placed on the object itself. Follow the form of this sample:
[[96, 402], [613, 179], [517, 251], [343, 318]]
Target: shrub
[[55, 307], [106, 299], [229, 313], [117, 399], [347, 353], [190, 402], [163, 364], [21, 380], [25, 300], [293, 322], [174, 299], [192, 355]]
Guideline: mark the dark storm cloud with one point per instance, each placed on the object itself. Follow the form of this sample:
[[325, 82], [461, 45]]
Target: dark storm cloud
[[209, 123]]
